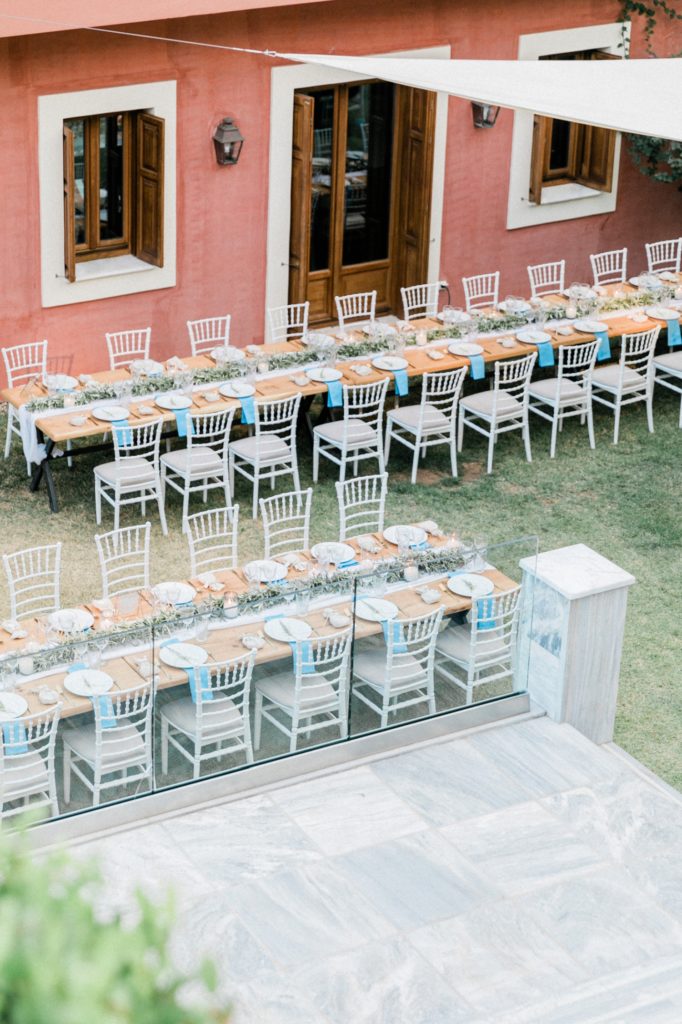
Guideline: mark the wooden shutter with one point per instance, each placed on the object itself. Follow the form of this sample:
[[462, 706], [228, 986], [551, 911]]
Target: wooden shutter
[[301, 195], [69, 205], [596, 147], [414, 138], [149, 168], [542, 131]]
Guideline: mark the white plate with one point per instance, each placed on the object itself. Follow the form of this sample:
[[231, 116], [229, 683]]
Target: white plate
[[390, 363], [71, 620], [470, 584], [333, 552], [61, 382], [148, 366], [465, 348], [374, 609], [88, 682], [237, 389], [12, 705], [457, 318], [173, 402], [590, 326], [325, 375], [174, 592], [417, 535], [228, 353], [377, 328], [110, 413], [183, 655], [316, 339], [668, 275], [265, 570], [525, 308], [651, 284], [533, 337], [584, 293], [288, 630], [662, 313]]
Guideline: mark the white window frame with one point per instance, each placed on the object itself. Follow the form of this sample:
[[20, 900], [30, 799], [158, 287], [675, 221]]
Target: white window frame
[[284, 83], [569, 201], [114, 275]]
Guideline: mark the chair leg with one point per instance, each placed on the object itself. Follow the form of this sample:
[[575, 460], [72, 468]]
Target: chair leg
[[650, 412], [555, 423], [69, 460], [460, 431], [164, 746], [316, 457], [415, 461], [98, 503], [526, 438], [162, 512], [258, 715], [256, 481], [590, 425], [616, 423], [453, 454], [8, 439], [491, 448], [67, 774], [387, 443]]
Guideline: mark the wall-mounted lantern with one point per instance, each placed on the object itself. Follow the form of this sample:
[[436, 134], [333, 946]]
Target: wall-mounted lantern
[[484, 114], [228, 142]]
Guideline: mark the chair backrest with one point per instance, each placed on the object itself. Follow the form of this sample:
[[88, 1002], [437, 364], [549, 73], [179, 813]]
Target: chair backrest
[[609, 267], [322, 142], [276, 420], [442, 391], [664, 255], [420, 300], [494, 623], [210, 430], [228, 679], [359, 306], [119, 745], [288, 321], [21, 775], [208, 334], [25, 361], [576, 363], [33, 577], [127, 346], [410, 650], [364, 402], [362, 503], [512, 377], [139, 441], [322, 666], [124, 559], [547, 278], [212, 539], [481, 290], [637, 352], [286, 522]]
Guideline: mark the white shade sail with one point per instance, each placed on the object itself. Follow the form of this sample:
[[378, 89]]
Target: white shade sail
[[638, 96]]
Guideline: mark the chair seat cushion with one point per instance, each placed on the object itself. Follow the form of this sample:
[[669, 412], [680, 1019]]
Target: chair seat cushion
[[370, 668], [608, 377], [569, 391], [199, 460], [408, 417], [23, 774], [316, 692], [133, 471], [122, 745], [264, 449], [220, 717], [672, 362], [482, 404], [359, 432], [455, 643]]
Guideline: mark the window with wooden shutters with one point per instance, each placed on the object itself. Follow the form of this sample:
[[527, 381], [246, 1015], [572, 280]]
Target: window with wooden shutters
[[113, 188], [565, 152]]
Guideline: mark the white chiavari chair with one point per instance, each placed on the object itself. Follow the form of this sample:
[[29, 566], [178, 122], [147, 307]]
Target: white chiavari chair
[[668, 373], [27, 763], [609, 267], [213, 722], [666, 255], [569, 393], [420, 300], [547, 278], [400, 673], [115, 750], [201, 466], [23, 363], [362, 504], [288, 321], [630, 380], [205, 335], [312, 696], [212, 539], [503, 408], [357, 308], [358, 436], [125, 347], [124, 559], [481, 290], [271, 452], [286, 522], [33, 577], [134, 477], [481, 651], [432, 422]]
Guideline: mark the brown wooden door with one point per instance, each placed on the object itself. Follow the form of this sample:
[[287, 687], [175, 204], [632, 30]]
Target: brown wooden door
[[301, 184]]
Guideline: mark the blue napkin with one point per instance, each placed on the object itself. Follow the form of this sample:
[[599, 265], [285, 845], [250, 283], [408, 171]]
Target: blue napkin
[[204, 683], [484, 607], [423, 545], [248, 409], [334, 394], [476, 367], [106, 707], [674, 335], [545, 354], [401, 384], [181, 422], [15, 739], [604, 350], [123, 432], [304, 649], [347, 564], [399, 645]]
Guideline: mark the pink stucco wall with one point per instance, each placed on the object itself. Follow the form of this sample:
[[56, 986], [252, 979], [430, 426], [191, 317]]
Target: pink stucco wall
[[222, 212]]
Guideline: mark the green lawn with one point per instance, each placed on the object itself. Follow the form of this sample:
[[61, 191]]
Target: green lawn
[[624, 501]]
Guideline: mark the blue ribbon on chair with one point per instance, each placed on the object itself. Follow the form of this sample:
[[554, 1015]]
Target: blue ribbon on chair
[[181, 422], [204, 683], [334, 394], [108, 718], [604, 350], [399, 645], [476, 367], [674, 334], [15, 739], [402, 386], [484, 606], [545, 354], [122, 431], [304, 650], [248, 409]]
